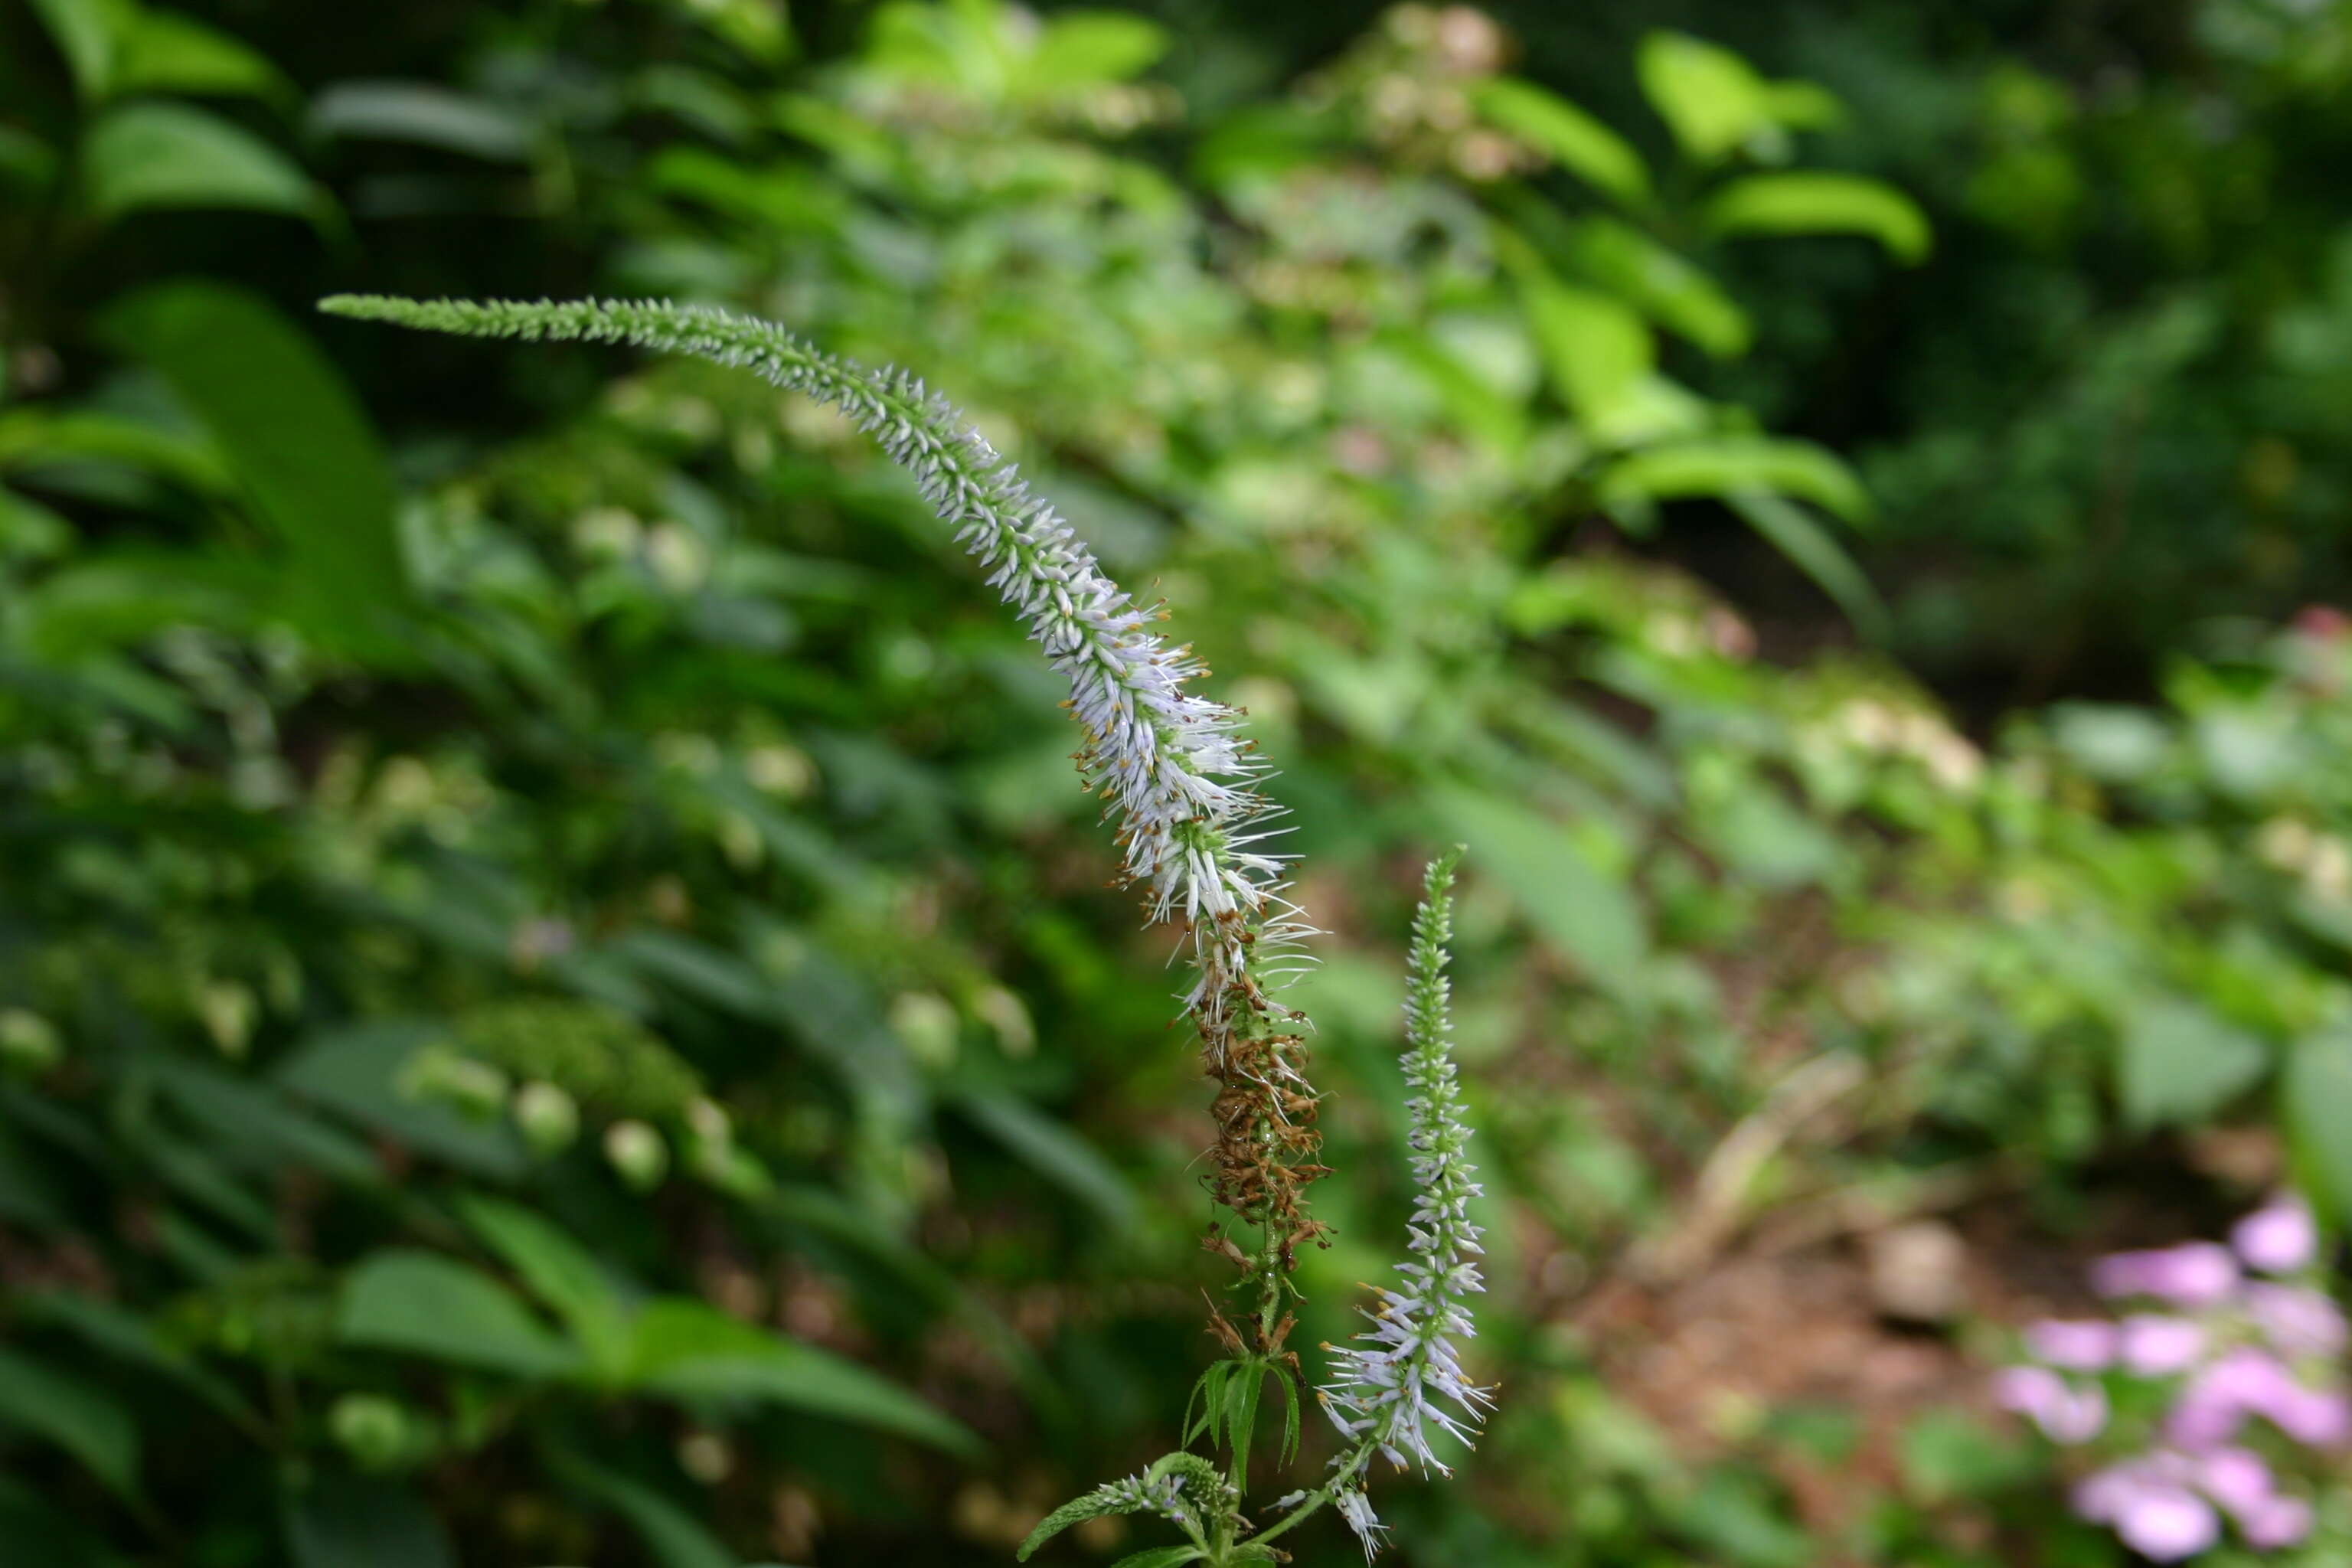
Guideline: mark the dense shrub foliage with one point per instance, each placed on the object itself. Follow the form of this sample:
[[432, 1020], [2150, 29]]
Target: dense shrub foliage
[[556, 997]]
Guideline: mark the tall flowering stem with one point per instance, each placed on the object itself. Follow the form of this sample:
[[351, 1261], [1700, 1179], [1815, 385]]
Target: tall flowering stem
[[1181, 788], [1176, 781], [1402, 1384]]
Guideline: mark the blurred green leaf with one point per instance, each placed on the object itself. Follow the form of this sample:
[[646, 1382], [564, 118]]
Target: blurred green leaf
[[561, 1273], [688, 1350], [296, 439], [86, 33], [424, 1304], [1715, 104], [2178, 1062], [1575, 140], [1057, 1153], [1078, 47], [425, 114], [2317, 1106], [1725, 465], [1815, 202], [1662, 284], [1589, 914], [671, 1535], [354, 1071], [165, 51], [1816, 552], [356, 1521], [81, 1420], [144, 155]]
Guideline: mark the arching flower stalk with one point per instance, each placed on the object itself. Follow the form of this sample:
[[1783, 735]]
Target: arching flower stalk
[[1181, 788], [1176, 781]]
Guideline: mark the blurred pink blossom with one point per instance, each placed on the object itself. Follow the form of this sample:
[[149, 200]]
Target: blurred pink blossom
[[2086, 1345], [2297, 1319], [2277, 1239], [2064, 1413], [2154, 1345], [2194, 1274]]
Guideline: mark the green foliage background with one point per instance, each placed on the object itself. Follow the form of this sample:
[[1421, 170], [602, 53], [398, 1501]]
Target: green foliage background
[[557, 1002]]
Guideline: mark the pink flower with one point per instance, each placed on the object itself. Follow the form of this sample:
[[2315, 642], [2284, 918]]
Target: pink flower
[[2296, 1319], [2065, 1413], [2310, 1416], [2281, 1521], [2154, 1345], [2166, 1524], [2277, 1239], [2236, 1478], [2222, 1395], [2194, 1274], [2079, 1346]]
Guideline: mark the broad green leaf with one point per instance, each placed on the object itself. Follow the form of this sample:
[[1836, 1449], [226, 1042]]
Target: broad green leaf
[[561, 1273], [354, 1071], [1597, 350], [241, 1113], [356, 1521], [424, 114], [164, 51], [1725, 466], [672, 1537], [2317, 1108], [429, 1305], [1710, 99], [1570, 137], [1813, 551], [1055, 1152], [296, 438], [88, 33], [1716, 103], [146, 155], [1816, 202], [1077, 48], [688, 1350], [2178, 1062], [1661, 284], [1589, 913], [64, 1411]]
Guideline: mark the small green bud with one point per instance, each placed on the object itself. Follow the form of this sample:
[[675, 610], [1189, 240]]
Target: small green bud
[[29, 1043], [548, 1117], [376, 1432], [438, 1073], [637, 1152]]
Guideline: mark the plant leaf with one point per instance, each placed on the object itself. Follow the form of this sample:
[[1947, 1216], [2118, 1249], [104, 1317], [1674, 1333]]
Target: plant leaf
[[2179, 1062], [561, 1273], [2317, 1106], [145, 155], [424, 1304], [690, 1350], [79, 1419], [672, 1536], [424, 115], [1582, 908], [296, 439], [1725, 465], [1812, 550], [1819, 202], [363, 1521], [1055, 1152], [1572, 138], [164, 51]]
